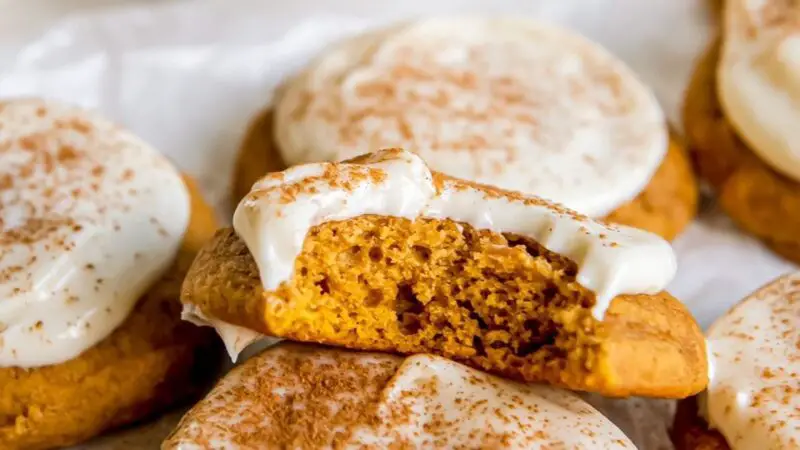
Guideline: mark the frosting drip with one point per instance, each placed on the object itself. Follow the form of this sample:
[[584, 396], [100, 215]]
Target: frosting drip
[[90, 217], [759, 78], [483, 100], [753, 397], [235, 338]]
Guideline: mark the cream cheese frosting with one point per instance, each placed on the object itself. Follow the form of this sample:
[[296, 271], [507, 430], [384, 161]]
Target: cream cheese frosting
[[275, 217], [294, 396], [758, 78], [235, 338], [507, 102], [753, 397], [90, 217]]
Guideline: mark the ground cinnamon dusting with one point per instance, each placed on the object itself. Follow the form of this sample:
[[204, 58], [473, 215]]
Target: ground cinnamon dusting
[[54, 190], [299, 398], [306, 397], [411, 94]]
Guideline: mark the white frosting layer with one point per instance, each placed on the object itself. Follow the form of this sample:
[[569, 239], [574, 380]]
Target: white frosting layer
[[753, 397], [759, 78], [90, 217], [427, 402], [275, 217], [510, 103], [235, 338]]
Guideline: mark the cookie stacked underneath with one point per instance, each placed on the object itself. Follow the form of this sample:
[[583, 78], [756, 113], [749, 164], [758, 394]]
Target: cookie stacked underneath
[[302, 396]]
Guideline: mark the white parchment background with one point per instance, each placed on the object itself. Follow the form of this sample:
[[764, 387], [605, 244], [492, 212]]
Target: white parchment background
[[188, 75]]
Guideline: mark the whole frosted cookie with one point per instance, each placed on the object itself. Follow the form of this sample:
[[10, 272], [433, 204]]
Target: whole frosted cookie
[[380, 253], [753, 397], [510, 103], [740, 114], [297, 396], [96, 232]]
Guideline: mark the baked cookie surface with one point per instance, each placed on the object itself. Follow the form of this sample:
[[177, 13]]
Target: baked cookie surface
[[669, 202], [151, 362]]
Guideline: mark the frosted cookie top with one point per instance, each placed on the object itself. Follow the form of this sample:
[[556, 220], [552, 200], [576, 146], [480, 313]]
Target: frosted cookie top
[[510, 103], [275, 217], [90, 217], [759, 78], [753, 397], [317, 398]]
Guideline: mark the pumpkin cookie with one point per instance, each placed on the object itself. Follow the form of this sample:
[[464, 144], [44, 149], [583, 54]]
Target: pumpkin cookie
[[315, 397], [509, 103], [735, 117], [381, 253], [96, 233], [753, 396]]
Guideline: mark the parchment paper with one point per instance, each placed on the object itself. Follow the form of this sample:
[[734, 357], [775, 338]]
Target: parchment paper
[[188, 75]]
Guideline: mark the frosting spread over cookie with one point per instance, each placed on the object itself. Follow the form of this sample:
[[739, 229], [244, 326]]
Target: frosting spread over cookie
[[275, 217], [511, 103], [753, 397], [90, 217], [759, 78], [235, 338], [316, 398]]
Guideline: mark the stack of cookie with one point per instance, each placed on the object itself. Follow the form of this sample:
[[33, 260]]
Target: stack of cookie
[[457, 301], [451, 224], [380, 253]]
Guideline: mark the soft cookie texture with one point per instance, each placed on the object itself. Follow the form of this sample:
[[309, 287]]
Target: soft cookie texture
[[758, 198], [665, 206], [308, 397], [152, 361], [651, 344], [381, 253]]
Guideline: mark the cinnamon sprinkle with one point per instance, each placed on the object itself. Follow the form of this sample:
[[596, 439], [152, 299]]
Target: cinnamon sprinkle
[[53, 164], [307, 397]]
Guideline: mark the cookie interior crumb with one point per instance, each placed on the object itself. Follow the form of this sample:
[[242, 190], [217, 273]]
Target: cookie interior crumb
[[500, 301]]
